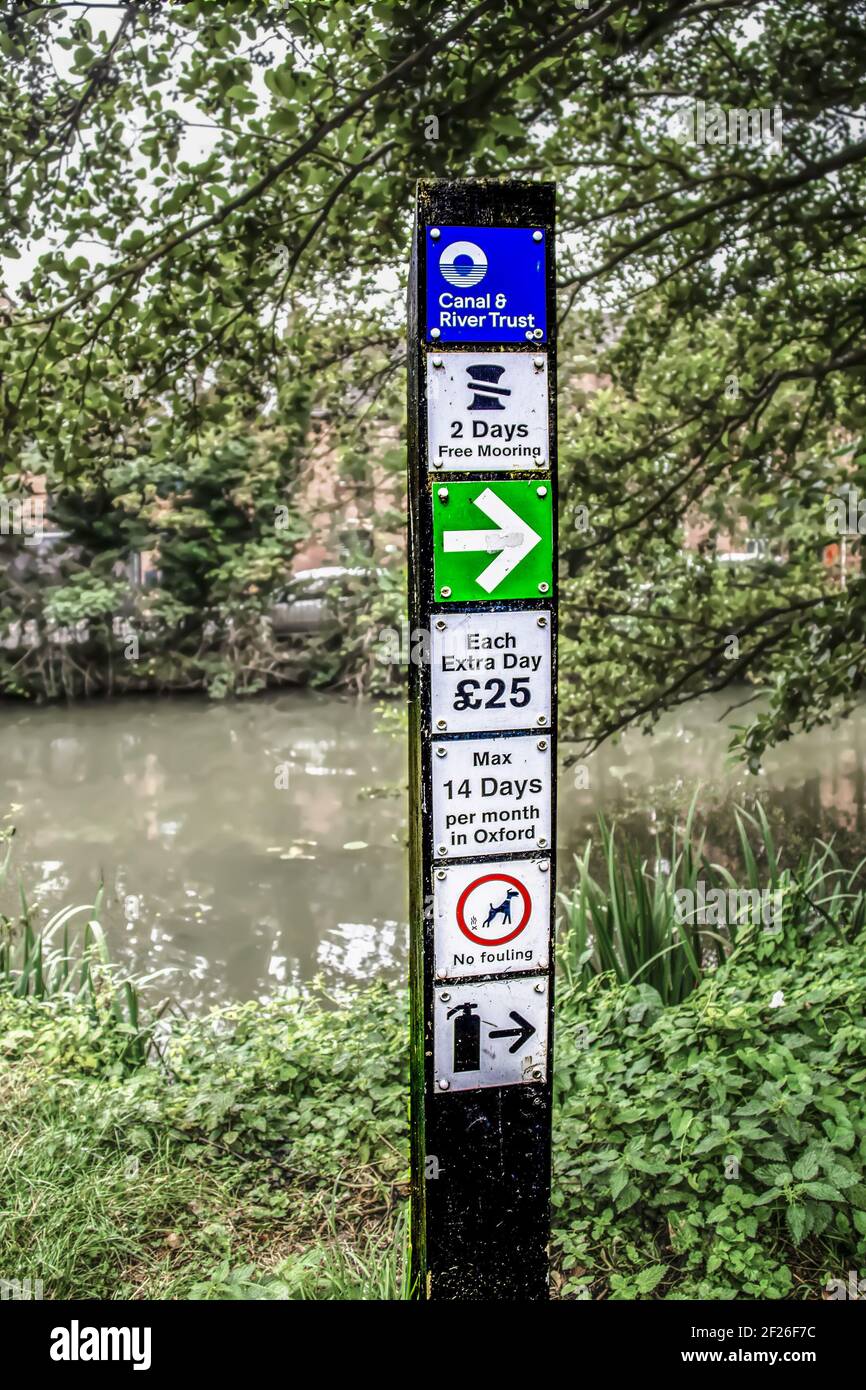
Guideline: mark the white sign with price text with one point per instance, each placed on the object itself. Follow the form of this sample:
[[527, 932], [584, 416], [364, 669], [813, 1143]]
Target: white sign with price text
[[490, 671]]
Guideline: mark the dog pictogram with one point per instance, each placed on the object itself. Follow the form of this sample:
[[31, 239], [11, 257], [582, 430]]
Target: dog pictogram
[[504, 909]]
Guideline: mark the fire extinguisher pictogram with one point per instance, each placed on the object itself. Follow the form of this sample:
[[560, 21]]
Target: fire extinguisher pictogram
[[467, 1038]]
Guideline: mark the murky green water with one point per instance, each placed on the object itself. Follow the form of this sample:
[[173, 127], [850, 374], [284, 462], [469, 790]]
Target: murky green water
[[241, 886]]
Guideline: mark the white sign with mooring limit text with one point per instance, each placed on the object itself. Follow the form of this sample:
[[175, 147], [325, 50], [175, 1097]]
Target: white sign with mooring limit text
[[490, 795], [487, 412]]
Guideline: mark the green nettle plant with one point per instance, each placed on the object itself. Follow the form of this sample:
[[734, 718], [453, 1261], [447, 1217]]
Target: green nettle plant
[[715, 1148]]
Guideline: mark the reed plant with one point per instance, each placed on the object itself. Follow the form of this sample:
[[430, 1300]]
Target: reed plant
[[623, 923], [56, 958]]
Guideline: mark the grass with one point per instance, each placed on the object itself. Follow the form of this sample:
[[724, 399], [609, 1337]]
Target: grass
[[106, 1196]]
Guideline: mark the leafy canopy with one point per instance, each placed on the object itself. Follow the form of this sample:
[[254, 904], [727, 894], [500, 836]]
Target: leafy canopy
[[213, 201]]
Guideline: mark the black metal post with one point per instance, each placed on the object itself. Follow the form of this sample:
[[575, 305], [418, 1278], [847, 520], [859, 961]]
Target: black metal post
[[482, 609]]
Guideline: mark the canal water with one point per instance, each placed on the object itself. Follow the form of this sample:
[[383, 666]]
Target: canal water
[[248, 846]]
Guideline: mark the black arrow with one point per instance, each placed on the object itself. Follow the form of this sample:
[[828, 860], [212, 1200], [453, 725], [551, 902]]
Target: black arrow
[[522, 1033]]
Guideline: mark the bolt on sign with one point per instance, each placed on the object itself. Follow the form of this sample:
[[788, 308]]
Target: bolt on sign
[[491, 918], [490, 670], [492, 1033], [482, 491], [490, 794], [486, 284]]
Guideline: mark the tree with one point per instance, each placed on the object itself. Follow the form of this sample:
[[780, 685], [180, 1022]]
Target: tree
[[229, 184]]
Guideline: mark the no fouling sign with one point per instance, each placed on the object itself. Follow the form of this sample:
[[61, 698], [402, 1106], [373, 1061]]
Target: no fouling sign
[[482, 490]]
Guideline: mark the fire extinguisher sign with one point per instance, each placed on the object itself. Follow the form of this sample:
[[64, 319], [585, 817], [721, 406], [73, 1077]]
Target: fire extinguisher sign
[[491, 1033], [483, 613]]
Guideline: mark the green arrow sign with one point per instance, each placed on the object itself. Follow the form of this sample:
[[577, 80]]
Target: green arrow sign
[[492, 541]]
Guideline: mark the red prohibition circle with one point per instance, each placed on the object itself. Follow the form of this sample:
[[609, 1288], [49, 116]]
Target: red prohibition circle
[[493, 878]]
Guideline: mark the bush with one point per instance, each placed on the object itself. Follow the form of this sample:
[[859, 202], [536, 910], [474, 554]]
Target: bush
[[714, 1149]]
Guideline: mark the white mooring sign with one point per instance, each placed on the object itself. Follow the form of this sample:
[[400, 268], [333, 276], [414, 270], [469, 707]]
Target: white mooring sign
[[487, 412], [490, 795], [490, 671]]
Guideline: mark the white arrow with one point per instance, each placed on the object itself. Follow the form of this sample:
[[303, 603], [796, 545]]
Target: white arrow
[[514, 540]]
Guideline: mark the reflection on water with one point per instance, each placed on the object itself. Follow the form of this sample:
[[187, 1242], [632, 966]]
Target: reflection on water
[[248, 846], [813, 786]]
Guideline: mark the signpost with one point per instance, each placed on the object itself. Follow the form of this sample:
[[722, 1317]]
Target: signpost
[[482, 494]]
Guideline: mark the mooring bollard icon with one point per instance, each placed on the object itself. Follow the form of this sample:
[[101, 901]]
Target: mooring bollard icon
[[482, 345]]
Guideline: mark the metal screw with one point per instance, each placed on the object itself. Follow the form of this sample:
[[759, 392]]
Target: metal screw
[[542, 491], [440, 724], [542, 621], [443, 494], [542, 841], [435, 333], [542, 744], [536, 1075], [440, 625], [538, 333], [542, 719], [440, 752], [540, 463], [446, 592], [443, 849], [437, 463], [437, 361], [542, 588], [440, 873], [536, 236], [529, 333], [538, 363], [435, 233], [444, 1084], [539, 988], [444, 996], [543, 867]]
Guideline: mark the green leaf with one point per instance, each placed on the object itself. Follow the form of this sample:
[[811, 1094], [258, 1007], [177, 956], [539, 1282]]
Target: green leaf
[[824, 1191], [649, 1279], [807, 1165], [797, 1220]]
